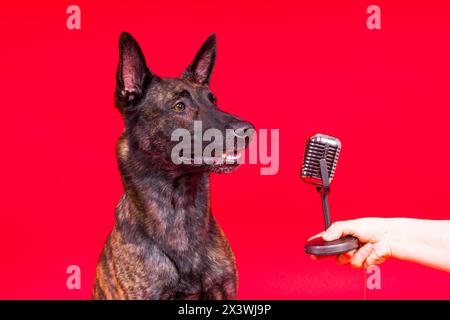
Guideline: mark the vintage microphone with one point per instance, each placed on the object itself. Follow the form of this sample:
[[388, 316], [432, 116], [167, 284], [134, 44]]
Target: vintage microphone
[[319, 165]]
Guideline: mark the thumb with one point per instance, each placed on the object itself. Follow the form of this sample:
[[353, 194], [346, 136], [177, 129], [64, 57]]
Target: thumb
[[338, 230]]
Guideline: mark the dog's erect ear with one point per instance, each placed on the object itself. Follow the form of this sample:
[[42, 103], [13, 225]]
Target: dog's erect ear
[[132, 72], [201, 68]]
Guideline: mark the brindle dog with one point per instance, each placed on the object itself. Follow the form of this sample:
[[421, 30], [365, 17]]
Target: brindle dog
[[166, 243]]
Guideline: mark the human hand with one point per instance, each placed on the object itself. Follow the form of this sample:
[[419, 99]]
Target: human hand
[[375, 235]]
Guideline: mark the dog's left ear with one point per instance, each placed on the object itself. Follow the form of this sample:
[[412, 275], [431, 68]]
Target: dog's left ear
[[201, 68]]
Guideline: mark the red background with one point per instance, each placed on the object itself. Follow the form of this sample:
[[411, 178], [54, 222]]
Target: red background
[[302, 67]]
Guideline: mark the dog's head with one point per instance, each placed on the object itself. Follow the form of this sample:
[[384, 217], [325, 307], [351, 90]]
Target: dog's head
[[155, 108]]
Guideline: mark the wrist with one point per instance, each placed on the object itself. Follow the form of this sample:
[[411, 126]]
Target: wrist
[[402, 235]]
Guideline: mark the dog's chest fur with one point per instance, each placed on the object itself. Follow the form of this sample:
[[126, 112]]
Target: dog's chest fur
[[166, 243]]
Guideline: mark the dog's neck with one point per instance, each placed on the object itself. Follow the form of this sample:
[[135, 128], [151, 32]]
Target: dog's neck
[[170, 208]]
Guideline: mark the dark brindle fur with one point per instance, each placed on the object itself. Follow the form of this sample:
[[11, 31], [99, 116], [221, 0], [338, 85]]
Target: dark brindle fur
[[166, 243]]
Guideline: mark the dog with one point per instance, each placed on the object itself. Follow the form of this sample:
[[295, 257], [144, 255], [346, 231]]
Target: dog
[[165, 243]]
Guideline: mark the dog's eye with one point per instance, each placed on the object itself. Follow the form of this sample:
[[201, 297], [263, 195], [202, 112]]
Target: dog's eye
[[212, 98], [179, 106]]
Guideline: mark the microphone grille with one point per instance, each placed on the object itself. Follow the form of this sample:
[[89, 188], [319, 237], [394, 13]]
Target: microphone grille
[[318, 147]]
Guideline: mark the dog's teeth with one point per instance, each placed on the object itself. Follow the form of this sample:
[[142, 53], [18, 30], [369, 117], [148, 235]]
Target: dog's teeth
[[213, 160], [186, 160], [233, 157]]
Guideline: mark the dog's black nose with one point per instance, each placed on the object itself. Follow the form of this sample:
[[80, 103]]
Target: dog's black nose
[[241, 128]]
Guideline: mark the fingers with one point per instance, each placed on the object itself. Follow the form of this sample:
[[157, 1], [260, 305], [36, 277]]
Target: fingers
[[361, 255], [367, 256], [338, 230], [341, 259], [315, 258], [356, 258], [345, 258], [378, 255]]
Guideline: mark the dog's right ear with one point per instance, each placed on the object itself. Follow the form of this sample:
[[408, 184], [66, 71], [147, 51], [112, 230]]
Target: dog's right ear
[[132, 73]]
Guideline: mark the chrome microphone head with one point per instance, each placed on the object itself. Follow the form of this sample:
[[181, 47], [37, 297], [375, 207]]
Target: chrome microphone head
[[320, 146]]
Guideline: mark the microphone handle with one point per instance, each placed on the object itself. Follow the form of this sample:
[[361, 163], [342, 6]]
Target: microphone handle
[[324, 192], [326, 210]]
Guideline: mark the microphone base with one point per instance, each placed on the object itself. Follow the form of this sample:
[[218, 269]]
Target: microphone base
[[320, 247]]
